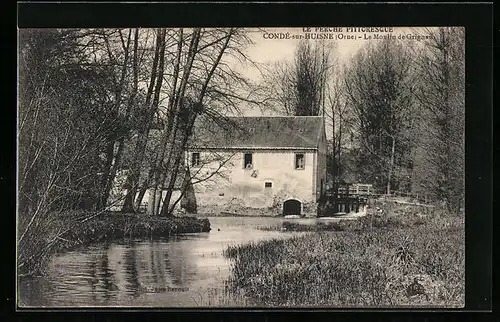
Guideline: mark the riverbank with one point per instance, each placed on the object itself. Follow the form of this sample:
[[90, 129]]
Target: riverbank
[[397, 255], [69, 230], [140, 272]]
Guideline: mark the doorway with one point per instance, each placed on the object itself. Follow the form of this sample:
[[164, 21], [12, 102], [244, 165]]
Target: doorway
[[292, 207]]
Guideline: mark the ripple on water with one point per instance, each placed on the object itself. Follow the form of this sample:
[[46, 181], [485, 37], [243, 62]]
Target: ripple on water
[[156, 273]]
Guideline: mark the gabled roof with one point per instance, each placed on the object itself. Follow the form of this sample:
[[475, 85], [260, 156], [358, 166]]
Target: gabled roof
[[271, 132]]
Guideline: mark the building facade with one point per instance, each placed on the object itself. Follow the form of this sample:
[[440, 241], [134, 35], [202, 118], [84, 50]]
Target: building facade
[[259, 166]]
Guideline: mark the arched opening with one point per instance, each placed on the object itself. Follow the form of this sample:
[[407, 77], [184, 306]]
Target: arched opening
[[292, 207]]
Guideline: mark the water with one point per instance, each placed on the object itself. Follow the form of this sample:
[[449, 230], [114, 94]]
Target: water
[[186, 271]]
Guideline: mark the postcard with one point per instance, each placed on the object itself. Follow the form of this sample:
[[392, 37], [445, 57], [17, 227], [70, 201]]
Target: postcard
[[305, 167]]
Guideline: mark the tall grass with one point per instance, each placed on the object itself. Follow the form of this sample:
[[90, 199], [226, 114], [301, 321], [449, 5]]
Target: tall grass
[[294, 226], [390, 259], [221, 297]]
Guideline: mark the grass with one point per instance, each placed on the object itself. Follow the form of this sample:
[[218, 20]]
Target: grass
[[294, 226], [68, 230], [405, 256], [220, 297]]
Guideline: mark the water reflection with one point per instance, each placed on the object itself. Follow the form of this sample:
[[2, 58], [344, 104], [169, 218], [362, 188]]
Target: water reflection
[[185, 271], [130, 266]]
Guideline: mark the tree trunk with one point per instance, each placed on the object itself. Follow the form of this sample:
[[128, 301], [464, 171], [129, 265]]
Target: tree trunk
[[143, 133], [159, 175], [175, 150], [144, 187], [131, 103], [156, 100], [112, 160], [188, 202], [166, 210], [188, 117]]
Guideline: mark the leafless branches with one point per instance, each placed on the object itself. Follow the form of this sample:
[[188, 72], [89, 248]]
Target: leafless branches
[[298, 88]]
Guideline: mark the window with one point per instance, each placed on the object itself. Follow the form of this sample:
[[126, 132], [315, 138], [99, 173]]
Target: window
[[247, 161], [195, 159], [268, 185], [300, 161]]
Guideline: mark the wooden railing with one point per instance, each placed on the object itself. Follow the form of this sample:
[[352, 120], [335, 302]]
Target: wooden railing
[[422, 198], [343, 203]]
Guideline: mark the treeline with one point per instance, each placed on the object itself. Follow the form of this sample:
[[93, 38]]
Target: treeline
[[99, 107], [99, 104], [395, 111]]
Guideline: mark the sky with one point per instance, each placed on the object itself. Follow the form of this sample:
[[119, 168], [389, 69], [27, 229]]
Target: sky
[[271, 50], [266, 49], [269, 46]]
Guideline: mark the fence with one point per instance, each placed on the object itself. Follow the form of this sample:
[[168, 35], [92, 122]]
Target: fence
[[419, 197], [343, 203]]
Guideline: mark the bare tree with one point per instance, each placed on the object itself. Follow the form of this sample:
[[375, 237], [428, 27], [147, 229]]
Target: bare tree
[[338, 117], [298, 87], [150, 108], [89, 101], [66, 107], [112, 160], [441, 64], [191, 108], [311, 71], [379, 89], [192, 74]]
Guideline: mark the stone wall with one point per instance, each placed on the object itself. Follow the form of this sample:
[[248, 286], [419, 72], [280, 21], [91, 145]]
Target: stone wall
[[309, 209]]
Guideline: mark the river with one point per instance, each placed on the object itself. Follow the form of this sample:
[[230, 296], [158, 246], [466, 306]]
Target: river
[[185, 271]]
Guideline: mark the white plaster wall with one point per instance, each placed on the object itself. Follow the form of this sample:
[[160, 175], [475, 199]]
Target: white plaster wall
[[146, 200], [236, 187]]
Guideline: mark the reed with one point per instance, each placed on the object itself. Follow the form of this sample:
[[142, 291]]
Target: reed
[[389, 258]]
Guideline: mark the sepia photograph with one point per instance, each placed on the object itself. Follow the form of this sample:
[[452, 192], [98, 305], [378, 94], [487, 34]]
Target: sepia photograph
[[304, 167]]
